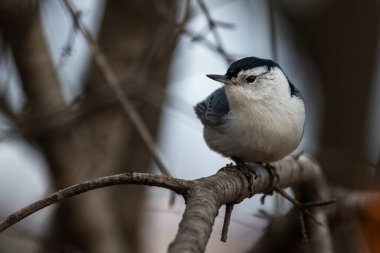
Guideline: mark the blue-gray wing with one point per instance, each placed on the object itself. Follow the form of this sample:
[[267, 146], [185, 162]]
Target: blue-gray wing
[[213, 110]]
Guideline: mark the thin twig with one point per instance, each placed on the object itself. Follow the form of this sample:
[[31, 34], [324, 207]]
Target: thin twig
[[319, 203], [116, 87], [306, 204], [303, 227], [211, 23], [213, 28], [179, 186], [68, 47], [226, 223], [198, 37], [300, 206]]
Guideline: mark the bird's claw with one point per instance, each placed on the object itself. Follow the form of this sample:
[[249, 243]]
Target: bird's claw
[[249, 172], [274, 179], [251, 175]]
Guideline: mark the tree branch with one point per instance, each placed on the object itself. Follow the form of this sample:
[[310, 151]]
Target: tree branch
[[203, 196], [290, 231], [177, 185], [228, 186], [212, 27]]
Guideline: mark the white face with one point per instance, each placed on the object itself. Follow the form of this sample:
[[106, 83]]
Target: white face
[[260, 83]]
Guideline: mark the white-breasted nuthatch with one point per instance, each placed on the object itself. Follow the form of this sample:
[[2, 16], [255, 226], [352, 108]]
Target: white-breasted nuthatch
[[258, 116]]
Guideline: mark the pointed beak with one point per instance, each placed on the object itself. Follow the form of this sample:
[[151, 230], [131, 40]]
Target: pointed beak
[[219, 78]]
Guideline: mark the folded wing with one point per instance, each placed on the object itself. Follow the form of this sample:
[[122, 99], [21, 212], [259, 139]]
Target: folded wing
[[214, 109]]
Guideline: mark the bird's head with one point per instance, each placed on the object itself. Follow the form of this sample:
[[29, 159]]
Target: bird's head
[[255, 78]]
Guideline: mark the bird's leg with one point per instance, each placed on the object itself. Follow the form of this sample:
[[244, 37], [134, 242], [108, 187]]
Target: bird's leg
[[248, 171]]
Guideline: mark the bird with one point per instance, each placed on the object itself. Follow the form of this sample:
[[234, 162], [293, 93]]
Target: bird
[[258, 115]]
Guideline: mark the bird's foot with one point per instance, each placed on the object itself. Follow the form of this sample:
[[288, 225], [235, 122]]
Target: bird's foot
[[249, 171], [274, 179]]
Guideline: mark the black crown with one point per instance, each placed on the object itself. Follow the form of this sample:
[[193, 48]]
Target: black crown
[[249, 63]]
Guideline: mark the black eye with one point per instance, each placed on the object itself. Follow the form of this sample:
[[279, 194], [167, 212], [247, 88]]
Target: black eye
[[251, 79]]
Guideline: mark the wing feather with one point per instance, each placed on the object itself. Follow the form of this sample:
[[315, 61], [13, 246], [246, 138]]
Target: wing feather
[[214, 109]]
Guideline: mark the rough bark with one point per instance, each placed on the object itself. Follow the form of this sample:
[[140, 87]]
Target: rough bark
[[207, 195]]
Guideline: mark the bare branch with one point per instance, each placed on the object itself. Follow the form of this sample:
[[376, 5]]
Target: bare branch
[[212, 26], [290, 231], [177, 185], [228, 186], [203, 196], [226, 223], [311, 193], [199, 38], [68, 46], [116, 87]]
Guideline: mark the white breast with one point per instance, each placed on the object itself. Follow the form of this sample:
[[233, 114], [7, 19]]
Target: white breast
[[261, 127]]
